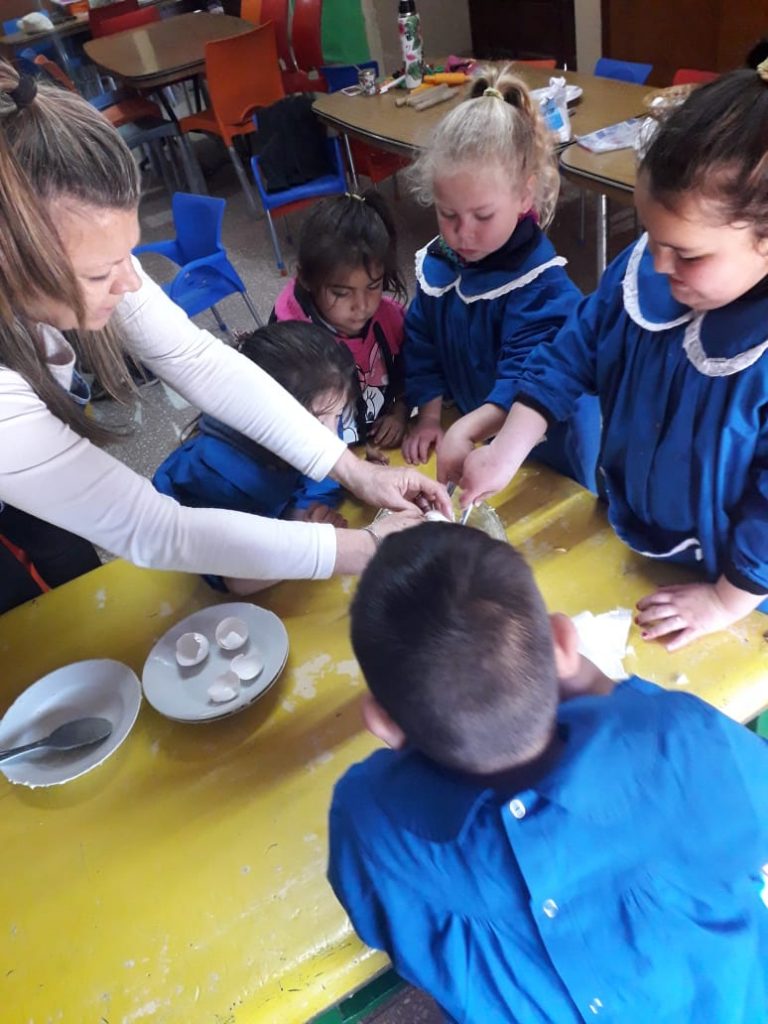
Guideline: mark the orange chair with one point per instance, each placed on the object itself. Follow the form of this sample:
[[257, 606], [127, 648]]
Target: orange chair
[[243, 74], [250, 10], [132, 19], [549, 63], [98, 15], [690, 76], [125, 110]]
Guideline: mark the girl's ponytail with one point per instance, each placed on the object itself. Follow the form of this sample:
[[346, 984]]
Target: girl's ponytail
[[500, 123]]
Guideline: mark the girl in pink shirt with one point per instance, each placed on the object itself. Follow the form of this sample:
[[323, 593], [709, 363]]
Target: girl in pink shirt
[[347, 262]]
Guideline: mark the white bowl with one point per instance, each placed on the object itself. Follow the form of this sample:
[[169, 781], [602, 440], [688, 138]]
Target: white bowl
[[231, 633], [191, 649], [100, 687]]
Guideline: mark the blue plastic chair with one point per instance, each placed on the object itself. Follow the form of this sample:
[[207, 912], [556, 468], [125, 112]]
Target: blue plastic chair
[[206, 276], [623, 70], [291, 199], [340, 76]]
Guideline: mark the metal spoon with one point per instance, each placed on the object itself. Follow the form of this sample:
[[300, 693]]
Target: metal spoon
[[81, 733]]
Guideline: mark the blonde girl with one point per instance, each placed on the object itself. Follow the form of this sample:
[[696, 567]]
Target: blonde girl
[[490, 286]]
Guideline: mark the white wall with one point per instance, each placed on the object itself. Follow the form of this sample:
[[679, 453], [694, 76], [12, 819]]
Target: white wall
[[588, 33], [444, 25]]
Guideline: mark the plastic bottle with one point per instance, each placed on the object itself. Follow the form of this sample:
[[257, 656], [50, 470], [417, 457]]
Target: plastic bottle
[[409, 27]]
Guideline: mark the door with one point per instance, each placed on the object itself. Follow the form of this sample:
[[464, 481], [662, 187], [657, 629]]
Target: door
[[524, 30]]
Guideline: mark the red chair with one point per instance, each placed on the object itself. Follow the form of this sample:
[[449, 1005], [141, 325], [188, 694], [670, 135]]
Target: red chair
[[133, 19], [306, 37], [690, 76], [98, 15], [550, 63]]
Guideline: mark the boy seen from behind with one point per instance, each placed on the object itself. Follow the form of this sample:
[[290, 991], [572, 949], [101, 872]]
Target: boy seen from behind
[[528, 858]]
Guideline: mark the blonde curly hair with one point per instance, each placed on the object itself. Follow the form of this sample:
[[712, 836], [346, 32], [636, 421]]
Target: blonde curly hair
[[504, 127]]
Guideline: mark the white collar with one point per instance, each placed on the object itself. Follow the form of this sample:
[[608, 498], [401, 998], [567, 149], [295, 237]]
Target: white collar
[[437, 291], [692, 345]]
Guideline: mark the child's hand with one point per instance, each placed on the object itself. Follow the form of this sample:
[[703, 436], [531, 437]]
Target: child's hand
[[452, 451], [318, 513], [679, 615], [485, 473], [388, 430], [375, 455], [422, 436]]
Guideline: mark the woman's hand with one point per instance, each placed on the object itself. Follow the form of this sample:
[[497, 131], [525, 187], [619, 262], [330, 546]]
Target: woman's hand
[[452, 451], [355, 548], [678, 615], [393, 487], [388, 430]]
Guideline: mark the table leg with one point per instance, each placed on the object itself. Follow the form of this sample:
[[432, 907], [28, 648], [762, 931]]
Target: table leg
[[351, 162], [602, 233]]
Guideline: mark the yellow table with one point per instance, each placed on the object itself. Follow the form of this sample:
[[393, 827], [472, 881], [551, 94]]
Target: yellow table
[[184, 880]]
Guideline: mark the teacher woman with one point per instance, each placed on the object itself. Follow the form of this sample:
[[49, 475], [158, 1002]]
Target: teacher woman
[[70, 289]]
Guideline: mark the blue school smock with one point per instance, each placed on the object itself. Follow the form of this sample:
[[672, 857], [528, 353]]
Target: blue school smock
[[471, 326], [625, 886], [221, 468], [684, 396]]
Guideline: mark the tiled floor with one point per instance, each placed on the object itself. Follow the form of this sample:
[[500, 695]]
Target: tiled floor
[[153, 427]]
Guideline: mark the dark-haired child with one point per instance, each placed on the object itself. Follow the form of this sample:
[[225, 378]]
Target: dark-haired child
[[490, 286], [217, 467], [673, 342], [525, 860], [347, 261]]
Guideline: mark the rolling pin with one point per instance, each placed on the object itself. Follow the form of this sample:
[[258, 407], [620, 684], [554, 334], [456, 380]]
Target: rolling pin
[[429, 95]]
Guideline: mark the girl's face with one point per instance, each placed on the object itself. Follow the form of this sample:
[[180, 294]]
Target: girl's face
[[328, 407], [350, 297], [478, 209], [709, 264], [98, 242]]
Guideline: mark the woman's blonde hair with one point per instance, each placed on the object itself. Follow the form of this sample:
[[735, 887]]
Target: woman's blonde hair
[[53, 143], [500, 123]]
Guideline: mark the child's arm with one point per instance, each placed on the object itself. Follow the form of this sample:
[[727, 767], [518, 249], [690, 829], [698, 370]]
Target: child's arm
[[554, 376], [424, 382], [315, 502], [678, 615], [463, 435]]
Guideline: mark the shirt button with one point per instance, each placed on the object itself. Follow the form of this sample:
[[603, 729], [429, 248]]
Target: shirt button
[[550, 908], [517, 807], [596, 1006]]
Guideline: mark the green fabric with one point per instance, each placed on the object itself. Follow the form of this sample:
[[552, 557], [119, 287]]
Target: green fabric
[[343, 31], [357, 1008]]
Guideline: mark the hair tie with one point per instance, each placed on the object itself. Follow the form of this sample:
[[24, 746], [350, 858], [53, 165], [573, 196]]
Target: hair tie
[[762, 69], [494, 93], [354, 195], [24, 92]]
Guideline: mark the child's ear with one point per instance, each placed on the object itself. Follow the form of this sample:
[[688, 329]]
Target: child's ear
[[381, 725], [527, 195], [565, 640]]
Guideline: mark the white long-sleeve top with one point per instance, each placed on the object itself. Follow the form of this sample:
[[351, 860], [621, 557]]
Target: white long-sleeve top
[[48, 470]]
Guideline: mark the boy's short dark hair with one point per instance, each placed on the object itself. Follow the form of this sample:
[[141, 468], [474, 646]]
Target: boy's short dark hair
[[455, 644]]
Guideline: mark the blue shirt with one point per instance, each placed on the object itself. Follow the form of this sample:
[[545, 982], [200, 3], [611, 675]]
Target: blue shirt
[[470, 328], [683, 460], [624, 887]]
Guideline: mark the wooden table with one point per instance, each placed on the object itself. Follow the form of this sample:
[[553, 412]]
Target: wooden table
[[164, 52], [184, 879], [377, 120]]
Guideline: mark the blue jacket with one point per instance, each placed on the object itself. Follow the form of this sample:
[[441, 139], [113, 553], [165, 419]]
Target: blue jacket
[[221, 468], [625, 886], [470, 328], [684, 396]]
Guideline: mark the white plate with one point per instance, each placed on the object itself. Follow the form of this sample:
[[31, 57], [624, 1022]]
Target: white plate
[[101, 688], [572, 93], [182, 693]]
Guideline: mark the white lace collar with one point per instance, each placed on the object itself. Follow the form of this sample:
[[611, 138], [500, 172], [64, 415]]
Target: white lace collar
[[692, 344], [437, 291]]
